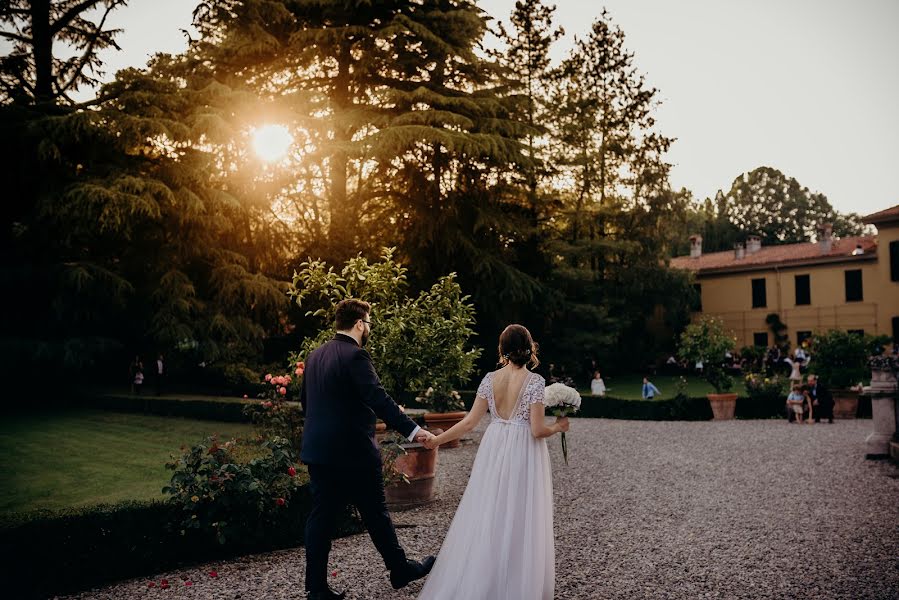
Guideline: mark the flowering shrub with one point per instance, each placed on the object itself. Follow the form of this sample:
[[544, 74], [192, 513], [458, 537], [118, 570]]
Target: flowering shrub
[[884, 363], [275, 416], [441, 400], [219, 493], [708, 341], [762, 388]]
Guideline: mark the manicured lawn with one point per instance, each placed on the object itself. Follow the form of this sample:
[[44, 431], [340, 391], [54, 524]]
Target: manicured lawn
[[85, 457], [628, 386]]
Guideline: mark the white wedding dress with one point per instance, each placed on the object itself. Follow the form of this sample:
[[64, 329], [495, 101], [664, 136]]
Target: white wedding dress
[[500, 543]]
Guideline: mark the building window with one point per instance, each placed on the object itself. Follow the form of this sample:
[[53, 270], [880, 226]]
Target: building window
[[697, 299], [801, 336], [760, 338], [858, 332], [894, 261], [759, 295], [896, 330], [854, 286], [803, 290]]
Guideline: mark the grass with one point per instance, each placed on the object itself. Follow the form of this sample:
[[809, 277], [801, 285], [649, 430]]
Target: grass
[[629, 386], [84, 457]]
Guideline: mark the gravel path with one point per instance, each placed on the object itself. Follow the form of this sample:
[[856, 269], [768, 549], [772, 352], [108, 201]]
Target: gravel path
[[740, 509]]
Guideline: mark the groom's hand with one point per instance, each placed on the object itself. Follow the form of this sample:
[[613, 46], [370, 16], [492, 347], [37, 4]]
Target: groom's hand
[[426, 438]]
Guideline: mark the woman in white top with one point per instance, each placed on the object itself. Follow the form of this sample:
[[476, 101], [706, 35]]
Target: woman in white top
[[500, 544], [597, 385]]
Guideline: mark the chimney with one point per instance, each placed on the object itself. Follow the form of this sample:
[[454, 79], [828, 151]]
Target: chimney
[[825, 237], [753, 244], [695, 245], [739, 250]]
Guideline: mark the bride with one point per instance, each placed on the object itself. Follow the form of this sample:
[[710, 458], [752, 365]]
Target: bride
[[500, 543]]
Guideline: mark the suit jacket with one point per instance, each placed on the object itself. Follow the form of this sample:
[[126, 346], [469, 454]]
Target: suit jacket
[[822, 395], [341, 397]]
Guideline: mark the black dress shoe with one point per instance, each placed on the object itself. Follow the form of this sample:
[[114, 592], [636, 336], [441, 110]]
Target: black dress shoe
[[327, 594], [412, 571]]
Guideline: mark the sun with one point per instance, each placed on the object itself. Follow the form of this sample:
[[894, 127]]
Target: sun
[[271, 142]]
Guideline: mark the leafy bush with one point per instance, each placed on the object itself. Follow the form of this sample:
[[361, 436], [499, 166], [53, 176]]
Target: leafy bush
[[416, 342], [708, 341], [221, 495], [840, 358], [274, 416]]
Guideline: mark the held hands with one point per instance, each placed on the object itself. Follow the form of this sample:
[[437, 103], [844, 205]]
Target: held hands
[[561, 424], [427, 439]]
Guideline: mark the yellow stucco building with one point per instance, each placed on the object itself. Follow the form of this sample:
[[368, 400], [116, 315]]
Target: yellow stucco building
[[848, 283]]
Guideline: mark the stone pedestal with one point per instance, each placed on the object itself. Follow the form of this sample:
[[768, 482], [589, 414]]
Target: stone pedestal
[[883, 407]]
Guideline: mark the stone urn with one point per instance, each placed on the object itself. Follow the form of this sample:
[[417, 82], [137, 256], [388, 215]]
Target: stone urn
[[883, 392], [723, 406], [419, 465], [845, 403], [444, 421]]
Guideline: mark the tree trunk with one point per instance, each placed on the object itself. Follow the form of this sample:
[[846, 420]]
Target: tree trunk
[[42, 43]]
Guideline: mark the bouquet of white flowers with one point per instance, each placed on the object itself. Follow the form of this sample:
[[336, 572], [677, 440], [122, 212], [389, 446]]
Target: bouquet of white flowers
[[562, 400]]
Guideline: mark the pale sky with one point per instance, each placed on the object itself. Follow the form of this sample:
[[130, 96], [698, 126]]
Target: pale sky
[[805, 86]]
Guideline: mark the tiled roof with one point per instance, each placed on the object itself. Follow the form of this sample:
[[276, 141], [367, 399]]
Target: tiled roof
[[786, 255], [884, 216]]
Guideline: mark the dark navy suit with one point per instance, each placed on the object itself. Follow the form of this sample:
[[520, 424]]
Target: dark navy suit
[[341, 397]]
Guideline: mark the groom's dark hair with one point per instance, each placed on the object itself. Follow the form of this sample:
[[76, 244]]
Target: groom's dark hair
[[349, 311]]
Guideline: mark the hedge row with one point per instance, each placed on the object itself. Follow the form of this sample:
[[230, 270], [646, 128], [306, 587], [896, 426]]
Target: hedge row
[[675, 409], [606, 407], [64, 552], [223, 409]]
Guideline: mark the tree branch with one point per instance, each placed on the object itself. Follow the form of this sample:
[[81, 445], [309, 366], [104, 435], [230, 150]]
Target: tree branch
[[15, 36], [71, 14], [87, 53]]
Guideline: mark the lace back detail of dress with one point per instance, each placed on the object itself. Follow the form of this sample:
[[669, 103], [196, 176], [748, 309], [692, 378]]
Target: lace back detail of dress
[[533, 391]]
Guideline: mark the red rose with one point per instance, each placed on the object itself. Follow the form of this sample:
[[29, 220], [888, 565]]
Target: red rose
[[151, 584], [280, 501], [188, 583], [213, 573], [164, 582], [292, 472], [333, 573]]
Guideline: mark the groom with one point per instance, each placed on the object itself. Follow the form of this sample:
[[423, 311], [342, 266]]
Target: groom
[[341, 397]]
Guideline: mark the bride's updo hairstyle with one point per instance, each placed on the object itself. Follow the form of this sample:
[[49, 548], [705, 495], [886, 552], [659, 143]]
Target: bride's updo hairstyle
[[516, 346]]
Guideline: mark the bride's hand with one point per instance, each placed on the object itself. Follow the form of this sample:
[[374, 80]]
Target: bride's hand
[[562, 423], [430, 443]]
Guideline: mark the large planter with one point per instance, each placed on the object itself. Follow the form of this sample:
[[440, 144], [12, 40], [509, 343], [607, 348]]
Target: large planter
[[884, 417], [420, 465], [845, 403], [723, 406], [444, 421]]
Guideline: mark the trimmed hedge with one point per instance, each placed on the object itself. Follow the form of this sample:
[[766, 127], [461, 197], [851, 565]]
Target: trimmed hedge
[[674, 409], [605, 407], [46, 553], [207, 409]]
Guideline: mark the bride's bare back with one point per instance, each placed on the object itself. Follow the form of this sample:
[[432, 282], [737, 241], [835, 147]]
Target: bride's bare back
[[508, 384]]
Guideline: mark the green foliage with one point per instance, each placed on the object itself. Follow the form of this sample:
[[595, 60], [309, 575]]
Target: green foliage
[[416, 342], [707, 340], [840, 358], [222, 496], [276, 417], [778, 330], [92, 546], [761, 388]]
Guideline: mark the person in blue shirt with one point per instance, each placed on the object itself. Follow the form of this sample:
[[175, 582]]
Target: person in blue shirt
[[649, 390]]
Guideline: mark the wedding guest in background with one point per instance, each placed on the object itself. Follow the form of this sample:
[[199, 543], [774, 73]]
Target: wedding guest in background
[[597, 385], [822, 400], [649, 390]]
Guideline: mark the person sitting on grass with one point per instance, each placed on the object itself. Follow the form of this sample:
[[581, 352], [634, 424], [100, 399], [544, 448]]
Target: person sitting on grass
[[597, 385], [796, 402], [649, 390]]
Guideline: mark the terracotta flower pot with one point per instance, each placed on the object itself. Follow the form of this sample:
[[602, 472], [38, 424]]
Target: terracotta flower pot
[[444, 421], [845, 403], [420, 465], [723, 406], [380, 430]]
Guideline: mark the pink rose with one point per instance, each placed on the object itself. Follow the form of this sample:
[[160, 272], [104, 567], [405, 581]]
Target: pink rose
[[282, 391], [298, 372], [244, 396], [286, 379], [268, 377]]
